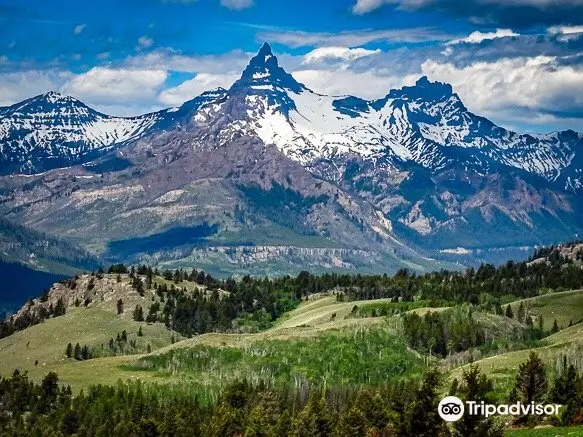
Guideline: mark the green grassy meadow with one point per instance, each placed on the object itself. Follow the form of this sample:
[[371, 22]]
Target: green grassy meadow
[[322, 341]]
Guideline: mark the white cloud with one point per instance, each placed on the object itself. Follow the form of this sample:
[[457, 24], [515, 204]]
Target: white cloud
[[362, 7], [102, 85], [79, 28], [338, 53], [477, 36], [237, 4], [145, 42], [519, 88], [170, 60], [566, 33], [355, 38], [368, 85], [365, 6], [196, 86], [17, 86], [128, 109], [230, 4]]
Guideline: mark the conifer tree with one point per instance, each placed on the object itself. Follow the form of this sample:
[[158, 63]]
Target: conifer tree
[[352, 423], [85, 353], [314, 420], [77, 352], [475, 387], [257, 424], [509, 312], [531, 381], [284, 424], [521, 313], [422, 418], [138, 314], [564, 387]]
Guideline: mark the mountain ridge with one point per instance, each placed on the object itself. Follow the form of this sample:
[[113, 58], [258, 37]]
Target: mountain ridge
[[263, 74], [271, 163]]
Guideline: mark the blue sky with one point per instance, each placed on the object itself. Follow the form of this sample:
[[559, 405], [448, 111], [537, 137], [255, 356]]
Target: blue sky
[[518, 62]]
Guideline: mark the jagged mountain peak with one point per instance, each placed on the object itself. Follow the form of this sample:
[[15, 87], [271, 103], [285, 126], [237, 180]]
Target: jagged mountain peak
[[264, 71], [425, 90]]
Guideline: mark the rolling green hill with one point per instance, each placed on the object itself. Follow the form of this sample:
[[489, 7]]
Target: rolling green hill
[[325, 339], [564, 306]]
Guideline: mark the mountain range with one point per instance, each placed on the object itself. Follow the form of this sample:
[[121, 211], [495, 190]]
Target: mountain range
[[271, 177]]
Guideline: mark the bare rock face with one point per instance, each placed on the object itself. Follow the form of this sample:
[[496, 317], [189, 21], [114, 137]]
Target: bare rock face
[[81, 290], [270, 172]]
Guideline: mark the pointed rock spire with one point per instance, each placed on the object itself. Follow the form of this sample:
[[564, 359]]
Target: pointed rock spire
[[264, 69]]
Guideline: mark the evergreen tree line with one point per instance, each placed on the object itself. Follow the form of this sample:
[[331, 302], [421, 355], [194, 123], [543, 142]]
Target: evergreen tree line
[[251, 298], [80, 353], [407, 408], [456, 330], [443, 333], [400, 409]]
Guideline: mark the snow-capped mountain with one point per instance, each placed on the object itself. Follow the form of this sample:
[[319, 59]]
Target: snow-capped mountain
[[52, 130], [258, 171], [426, 124]]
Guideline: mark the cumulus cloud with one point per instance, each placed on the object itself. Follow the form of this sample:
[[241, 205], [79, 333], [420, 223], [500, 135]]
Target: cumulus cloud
[[368, 85], [171, 60], [196, 86], [102, 85], [477, 36], [17, 86], [519, 88], [237, 4], [353, 38], [338, 53], [566, 33], [365, 6], [502, 13]]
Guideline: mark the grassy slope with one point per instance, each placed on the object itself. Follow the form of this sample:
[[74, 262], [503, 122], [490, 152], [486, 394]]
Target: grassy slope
[[92, 326], [564, 306], [95, 325], [309, 319]]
